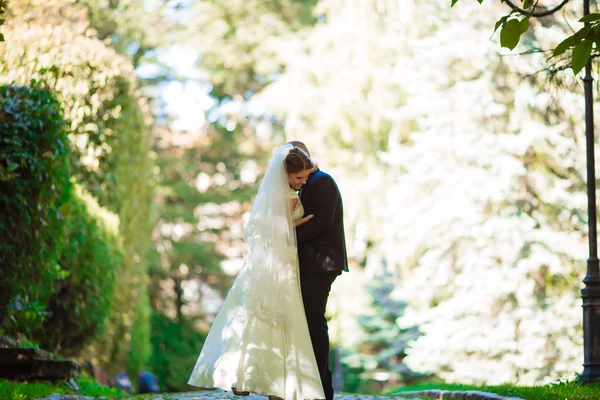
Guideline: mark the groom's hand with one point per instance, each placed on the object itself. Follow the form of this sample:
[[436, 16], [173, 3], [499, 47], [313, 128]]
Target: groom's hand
[[303, 220], [316, 167], [323, 201]]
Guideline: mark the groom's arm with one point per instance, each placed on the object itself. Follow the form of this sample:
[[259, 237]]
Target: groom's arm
[[324, 211]]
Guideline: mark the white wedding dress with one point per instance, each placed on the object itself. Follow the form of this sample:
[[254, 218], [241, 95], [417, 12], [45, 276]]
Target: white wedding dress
[[259, 341]]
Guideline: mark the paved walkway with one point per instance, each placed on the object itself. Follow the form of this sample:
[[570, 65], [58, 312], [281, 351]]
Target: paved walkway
[[219, 394]]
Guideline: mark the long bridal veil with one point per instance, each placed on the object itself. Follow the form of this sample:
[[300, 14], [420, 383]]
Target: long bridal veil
[[259, 341], [272, 255]]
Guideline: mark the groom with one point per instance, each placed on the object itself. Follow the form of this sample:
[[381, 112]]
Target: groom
[[322, 257]]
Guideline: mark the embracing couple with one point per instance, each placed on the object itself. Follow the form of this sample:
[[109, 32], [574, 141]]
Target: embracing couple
[[270, 336]]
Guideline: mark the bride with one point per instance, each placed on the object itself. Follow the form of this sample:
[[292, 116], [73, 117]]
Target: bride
[[259, 342]]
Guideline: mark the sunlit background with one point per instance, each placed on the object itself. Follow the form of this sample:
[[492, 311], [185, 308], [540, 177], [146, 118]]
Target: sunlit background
[[461, 168]]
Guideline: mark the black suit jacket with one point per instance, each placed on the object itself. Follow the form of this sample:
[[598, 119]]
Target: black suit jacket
[[321, 240]]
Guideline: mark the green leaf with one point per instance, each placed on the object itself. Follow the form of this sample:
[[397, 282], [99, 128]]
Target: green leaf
[[581, 34], [453, 3], [594, 36], [510, 34], [527, 3], [13, 166], [500, 22], [590, 18], [524, 24], [581, 55], [563, 46]]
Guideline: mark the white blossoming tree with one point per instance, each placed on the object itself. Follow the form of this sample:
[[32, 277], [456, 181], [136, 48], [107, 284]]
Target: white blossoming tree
[[461, 169]]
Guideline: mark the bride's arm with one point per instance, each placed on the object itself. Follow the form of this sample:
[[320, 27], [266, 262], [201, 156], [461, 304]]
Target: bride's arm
[[303, 220], [294, 203]]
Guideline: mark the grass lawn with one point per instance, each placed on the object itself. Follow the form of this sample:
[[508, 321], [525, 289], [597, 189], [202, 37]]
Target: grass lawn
[[558, 391], [11, 390]]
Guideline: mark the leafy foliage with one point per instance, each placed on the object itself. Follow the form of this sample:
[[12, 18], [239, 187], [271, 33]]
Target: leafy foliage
[[134, 28], [193, 226], [241, 41], [141, 348], [2, 11], [58, 13], [383, 348], [34, 183], [176, 346], [375, 363], [111, 144], [581, 43], [92, 256]]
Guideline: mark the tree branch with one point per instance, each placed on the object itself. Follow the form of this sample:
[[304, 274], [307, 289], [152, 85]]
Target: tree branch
[[538, 14]]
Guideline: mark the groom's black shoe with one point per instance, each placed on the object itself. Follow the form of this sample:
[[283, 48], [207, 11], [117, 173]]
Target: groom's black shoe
[[240, 393]]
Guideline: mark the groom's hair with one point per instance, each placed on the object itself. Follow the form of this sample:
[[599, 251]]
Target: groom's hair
[[297, 143]]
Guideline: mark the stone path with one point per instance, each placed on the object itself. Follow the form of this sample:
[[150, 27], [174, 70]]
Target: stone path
[[218, 394]]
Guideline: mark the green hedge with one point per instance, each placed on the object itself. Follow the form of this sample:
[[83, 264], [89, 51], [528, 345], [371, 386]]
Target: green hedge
[[34, 187], [92, 256], [2, 11], [110, 157], [60, 251]]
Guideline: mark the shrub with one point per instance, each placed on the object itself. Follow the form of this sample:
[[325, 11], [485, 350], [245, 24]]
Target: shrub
[[2, 10], [34, 187], [110, 154], [92, 256]]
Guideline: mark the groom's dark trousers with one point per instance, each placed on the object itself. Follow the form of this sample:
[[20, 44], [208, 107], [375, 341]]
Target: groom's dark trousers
[[322, 257], [315, 291]]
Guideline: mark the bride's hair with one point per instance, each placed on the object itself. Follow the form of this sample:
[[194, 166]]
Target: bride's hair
[[297, 160]]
